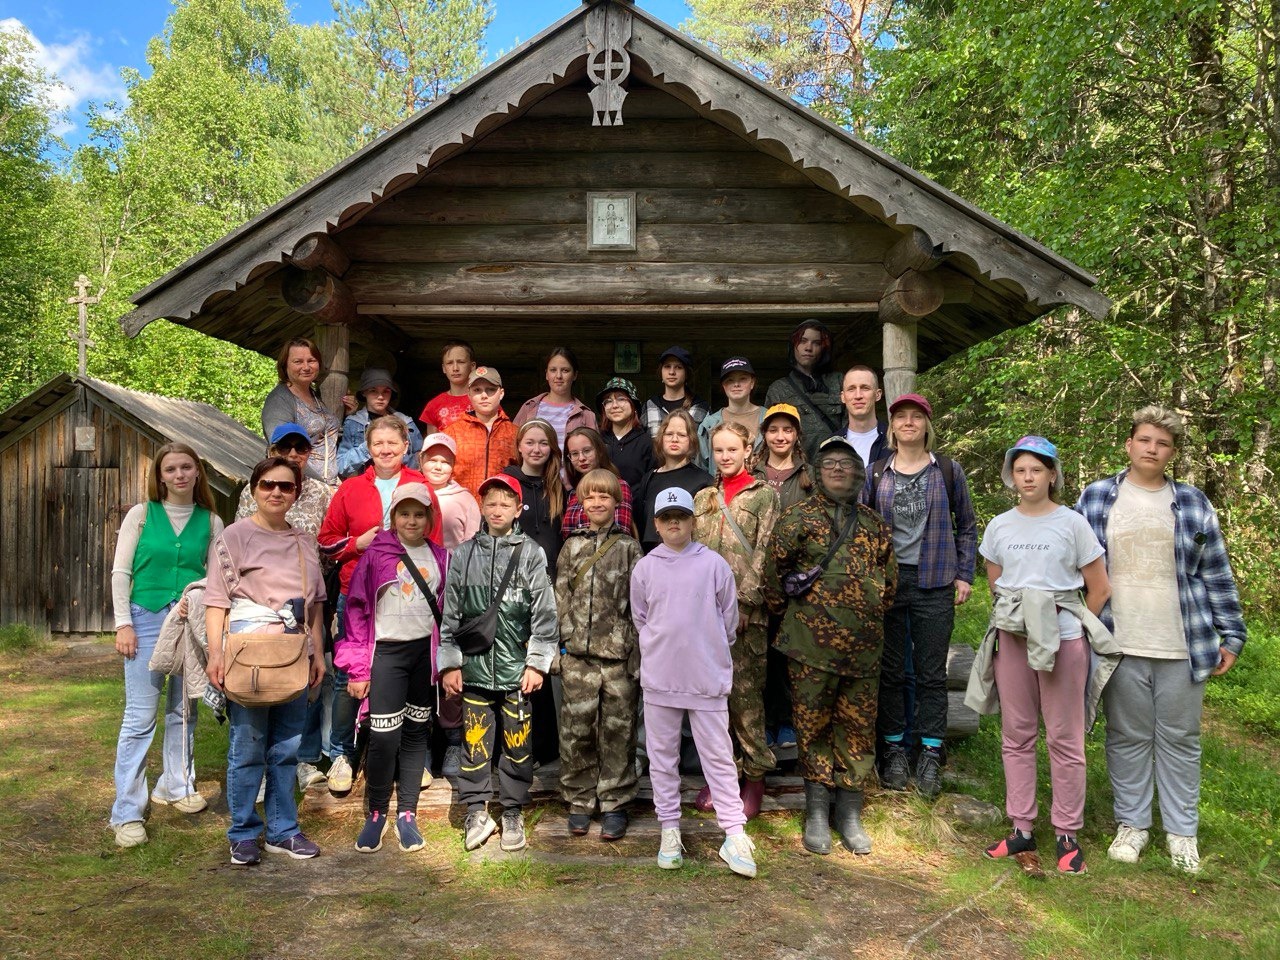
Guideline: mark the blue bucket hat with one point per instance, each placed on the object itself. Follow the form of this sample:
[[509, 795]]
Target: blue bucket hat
[[1031, 444]]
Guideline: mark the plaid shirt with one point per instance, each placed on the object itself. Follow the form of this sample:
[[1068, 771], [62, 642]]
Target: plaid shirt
[[575, 518], [949, 549], [1207, 595], [652, 415]]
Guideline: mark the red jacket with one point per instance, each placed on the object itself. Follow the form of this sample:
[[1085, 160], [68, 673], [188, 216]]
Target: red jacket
[[355, 508]]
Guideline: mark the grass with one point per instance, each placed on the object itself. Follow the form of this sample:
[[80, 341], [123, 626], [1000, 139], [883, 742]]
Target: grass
[[66, 890], [20, 638]]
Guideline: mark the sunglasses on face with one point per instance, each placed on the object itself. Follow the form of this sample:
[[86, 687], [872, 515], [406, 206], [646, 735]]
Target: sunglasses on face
[[284, 486], [837, 464], [293, 446]]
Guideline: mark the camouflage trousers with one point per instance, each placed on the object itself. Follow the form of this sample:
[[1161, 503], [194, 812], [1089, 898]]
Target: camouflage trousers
[[597, 733], [835, 720], [746, 702]]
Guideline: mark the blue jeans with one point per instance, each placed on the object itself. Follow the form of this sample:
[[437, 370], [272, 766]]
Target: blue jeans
[[342, 734], [316, 735], [142, 688], [264, 737]]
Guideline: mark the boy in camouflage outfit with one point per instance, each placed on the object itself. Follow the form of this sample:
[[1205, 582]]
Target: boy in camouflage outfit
[[833, 635], [600, 665]]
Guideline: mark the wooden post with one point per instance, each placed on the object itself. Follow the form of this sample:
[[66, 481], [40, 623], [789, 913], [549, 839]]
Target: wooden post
[[334, 341], [899, 359]]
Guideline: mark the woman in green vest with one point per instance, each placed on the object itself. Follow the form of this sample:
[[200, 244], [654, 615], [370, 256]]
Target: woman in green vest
[[162, 547]]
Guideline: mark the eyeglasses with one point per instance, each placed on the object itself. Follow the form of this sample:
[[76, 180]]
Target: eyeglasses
[[616, 399], [830, 464], [485, 390], [284, 486], [586, 454]]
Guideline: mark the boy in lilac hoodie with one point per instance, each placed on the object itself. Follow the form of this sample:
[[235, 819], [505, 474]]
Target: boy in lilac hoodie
[[685, 606]]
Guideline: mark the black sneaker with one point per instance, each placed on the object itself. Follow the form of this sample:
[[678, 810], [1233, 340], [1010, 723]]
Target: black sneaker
[[375, 827], [245, 853], [1010, 846], [896, 769], [929, 772], [512, 831], [1070, 859], [579, 824], [613, 826]]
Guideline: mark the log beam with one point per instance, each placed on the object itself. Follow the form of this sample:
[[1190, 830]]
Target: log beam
[[318, 294], [916, 251], [334, 341], [319, 251]]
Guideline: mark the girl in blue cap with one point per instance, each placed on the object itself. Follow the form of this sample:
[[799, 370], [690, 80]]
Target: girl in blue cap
[[1040, 555]]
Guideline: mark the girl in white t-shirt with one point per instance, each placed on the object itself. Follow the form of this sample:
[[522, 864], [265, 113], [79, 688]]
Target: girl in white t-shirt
[[1042, 545]]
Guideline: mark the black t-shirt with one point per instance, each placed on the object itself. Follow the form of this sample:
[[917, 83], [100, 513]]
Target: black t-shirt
[[535, 516], [688, 477]]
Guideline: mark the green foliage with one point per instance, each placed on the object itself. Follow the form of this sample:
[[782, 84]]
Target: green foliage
[[19, 638], [1249, 695]]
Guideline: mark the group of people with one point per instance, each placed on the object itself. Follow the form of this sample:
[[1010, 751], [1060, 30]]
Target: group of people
[[599, 583]]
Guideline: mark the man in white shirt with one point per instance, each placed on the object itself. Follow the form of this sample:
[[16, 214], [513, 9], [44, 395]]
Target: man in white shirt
[[860, 393]]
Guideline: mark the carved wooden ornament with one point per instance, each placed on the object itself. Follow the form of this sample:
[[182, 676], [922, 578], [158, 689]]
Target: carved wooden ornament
[[608, 62]]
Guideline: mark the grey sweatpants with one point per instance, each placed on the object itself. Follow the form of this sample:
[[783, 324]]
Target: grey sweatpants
[[1153, 727]]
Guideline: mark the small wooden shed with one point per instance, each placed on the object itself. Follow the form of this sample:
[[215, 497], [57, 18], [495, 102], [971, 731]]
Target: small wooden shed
[[74, 456], [615, 186]]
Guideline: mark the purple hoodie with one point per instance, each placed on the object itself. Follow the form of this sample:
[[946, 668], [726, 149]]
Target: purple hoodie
[[375, 569], [685, 606]]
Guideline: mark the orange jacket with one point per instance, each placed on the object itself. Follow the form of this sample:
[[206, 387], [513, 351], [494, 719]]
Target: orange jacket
[[482, 451]]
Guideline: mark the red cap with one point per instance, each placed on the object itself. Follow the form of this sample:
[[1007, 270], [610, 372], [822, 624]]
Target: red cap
[[913, 399], [511, 483]]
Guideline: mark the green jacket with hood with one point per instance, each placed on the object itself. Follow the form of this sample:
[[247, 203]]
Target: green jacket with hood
[[527, 635]]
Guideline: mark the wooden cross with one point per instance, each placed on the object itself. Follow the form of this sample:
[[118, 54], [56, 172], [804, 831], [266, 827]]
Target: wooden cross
[[82, 301]]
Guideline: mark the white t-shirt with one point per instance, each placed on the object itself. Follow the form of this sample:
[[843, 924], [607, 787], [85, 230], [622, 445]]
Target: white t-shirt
[[1042, 553], [402, 612], [1144, 574], [863, 442]]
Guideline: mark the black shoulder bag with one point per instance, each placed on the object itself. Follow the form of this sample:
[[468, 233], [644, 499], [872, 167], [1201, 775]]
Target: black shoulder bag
[[799, 583], [422, 585], [475, 637]]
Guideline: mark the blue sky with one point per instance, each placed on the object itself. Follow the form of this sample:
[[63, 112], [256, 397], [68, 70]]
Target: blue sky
[[86, 42]]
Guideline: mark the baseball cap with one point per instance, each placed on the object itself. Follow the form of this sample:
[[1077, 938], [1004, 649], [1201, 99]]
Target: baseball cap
[[781, 410], [1031, 444], [619, 385], [487, 374], [912, 399], [503, 480], [677, 353], [412, 491], [377, 377], [673, 498], [440, 440], [288, 430], [736, 365]]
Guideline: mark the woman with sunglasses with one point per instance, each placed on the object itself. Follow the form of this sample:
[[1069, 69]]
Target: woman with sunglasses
[[360, 510], [161, 548], [264, 577]]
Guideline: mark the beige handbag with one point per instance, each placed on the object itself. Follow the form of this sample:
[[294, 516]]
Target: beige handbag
[[266, 669]]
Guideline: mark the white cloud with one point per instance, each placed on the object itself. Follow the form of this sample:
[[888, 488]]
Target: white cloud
[[72, 64]]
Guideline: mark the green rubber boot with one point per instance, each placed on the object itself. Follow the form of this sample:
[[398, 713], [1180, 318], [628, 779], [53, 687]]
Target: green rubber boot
[[817, 818], [849, 821]]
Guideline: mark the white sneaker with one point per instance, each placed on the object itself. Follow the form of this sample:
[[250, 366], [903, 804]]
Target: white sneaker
[[309, 775], [1128, 844], [191, 803], [262, 790], [671, 852], [1184, 853], [427, 778], [736, 852], [340, 776], [131, 834]]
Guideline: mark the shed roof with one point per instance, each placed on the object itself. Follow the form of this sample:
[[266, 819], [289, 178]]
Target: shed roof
[[226, 445], [1001, 260]]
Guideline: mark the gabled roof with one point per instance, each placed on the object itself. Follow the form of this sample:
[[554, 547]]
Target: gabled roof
[[226, 445], [995, 254]]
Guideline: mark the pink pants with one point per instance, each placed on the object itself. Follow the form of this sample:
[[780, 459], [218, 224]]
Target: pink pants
[[715, 750], [1025, 696]]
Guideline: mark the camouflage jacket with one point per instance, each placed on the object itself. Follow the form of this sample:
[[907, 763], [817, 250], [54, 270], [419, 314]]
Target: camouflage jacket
[[755, 509], [839, 625], [595, 614]]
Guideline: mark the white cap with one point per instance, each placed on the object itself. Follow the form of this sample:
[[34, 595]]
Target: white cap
[[673, 498]]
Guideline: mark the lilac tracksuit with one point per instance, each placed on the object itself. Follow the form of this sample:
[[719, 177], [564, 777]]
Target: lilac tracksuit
[[685, 607]]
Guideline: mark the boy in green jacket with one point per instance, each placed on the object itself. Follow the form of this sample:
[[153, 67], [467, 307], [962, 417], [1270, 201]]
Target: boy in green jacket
[[495, 685]]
